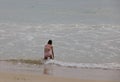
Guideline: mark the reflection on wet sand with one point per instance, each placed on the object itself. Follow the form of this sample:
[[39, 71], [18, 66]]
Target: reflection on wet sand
[[48, 69]]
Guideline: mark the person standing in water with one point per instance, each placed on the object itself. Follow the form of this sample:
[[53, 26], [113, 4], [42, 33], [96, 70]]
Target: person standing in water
[[48, 51]]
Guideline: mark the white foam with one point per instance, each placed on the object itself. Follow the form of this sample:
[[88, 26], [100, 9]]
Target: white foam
[[85, 65]]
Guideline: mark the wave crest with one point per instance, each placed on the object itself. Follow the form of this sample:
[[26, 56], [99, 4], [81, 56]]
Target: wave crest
[[105, 66]]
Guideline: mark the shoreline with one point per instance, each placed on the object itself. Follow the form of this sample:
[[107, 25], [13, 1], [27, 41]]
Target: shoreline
[[55, 72]]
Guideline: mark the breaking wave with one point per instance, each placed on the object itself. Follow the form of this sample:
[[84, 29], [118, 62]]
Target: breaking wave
[[85, 65], [105, 66]]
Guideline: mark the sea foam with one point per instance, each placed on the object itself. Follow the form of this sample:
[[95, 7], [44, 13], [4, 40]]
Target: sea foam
[[85, 65]]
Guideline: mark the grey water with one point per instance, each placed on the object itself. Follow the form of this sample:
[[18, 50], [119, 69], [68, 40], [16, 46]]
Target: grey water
[[77, 43], [60, 11], [82, 31]]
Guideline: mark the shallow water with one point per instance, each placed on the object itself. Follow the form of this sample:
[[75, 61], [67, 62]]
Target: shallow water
[[60, 71], [72, 43]]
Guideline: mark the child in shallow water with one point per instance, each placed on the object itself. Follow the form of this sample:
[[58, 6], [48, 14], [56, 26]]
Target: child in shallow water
[[48, 50]]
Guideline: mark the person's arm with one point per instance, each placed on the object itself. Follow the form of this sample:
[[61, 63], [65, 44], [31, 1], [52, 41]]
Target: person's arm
[[52, 52]]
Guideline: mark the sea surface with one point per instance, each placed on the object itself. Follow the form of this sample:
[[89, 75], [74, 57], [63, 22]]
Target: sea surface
[[85, 33], [73, 43]]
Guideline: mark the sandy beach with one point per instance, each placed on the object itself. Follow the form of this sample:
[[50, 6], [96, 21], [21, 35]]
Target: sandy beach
[[53, 73], [18, 77], [57, 74]]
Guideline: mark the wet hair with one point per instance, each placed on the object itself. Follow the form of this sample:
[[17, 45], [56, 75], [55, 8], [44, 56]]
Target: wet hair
[[50, 42]]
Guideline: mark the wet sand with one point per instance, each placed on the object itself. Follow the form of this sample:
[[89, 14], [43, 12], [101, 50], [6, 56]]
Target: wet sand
[[18, 77], [49, 73]]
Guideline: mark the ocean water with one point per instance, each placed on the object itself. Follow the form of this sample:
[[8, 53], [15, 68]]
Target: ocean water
[[84, 33], [73, 43], [60, 11]]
